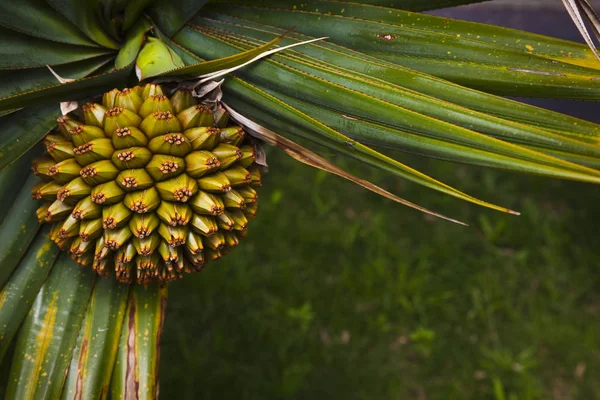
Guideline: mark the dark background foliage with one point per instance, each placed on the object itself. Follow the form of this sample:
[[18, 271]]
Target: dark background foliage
[[339, 294]]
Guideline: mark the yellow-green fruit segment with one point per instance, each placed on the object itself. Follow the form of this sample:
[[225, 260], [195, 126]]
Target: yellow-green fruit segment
[[145, 187]]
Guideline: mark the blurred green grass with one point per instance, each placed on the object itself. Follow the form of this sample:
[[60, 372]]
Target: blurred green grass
[[337, 293]]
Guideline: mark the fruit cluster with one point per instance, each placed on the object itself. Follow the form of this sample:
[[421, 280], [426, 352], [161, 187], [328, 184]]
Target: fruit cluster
[[147, 186]]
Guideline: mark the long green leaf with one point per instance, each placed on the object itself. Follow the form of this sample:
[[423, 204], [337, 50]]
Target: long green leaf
[[171, 15], [306, 156], [22, 51], [207, 67], [370, 157], [299, 84], [356, 150], [18, 230], [187, 56], [23, 129], [46, 341], [20, 291], [418, 5], [94, 356], [26, 80], [12, 180], [337, 56], [472, 139], [134, 40], [83, 15], [385, 137], [462, 59], [440, 110], [496, 36], [591, 162], [76, 90], [256, 101], [136, 369], [37, 18]]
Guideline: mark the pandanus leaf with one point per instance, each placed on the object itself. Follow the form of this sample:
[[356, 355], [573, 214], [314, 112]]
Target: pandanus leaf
[[49, 333]]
